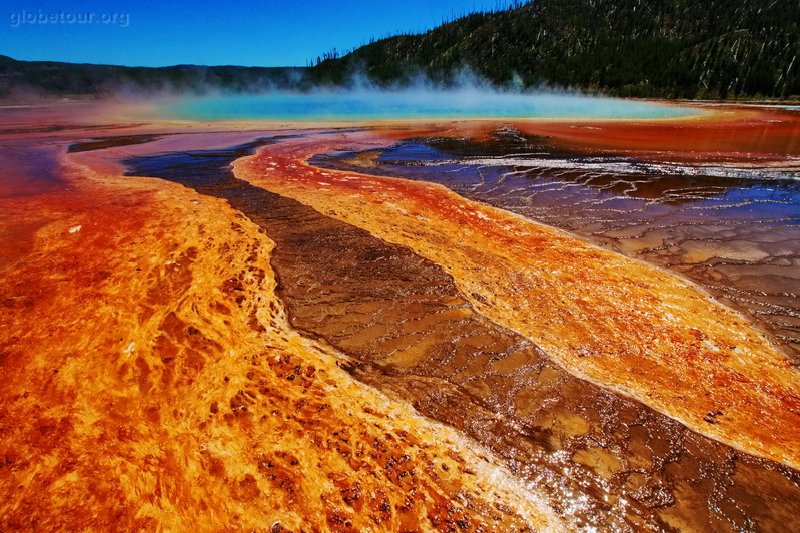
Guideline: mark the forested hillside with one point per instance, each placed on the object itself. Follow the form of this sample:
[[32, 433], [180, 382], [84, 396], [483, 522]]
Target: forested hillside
[[666, 48], [54, 78], [645, 48]]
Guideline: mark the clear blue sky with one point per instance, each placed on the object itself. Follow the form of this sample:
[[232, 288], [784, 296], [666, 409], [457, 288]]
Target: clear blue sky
[[247, 32]]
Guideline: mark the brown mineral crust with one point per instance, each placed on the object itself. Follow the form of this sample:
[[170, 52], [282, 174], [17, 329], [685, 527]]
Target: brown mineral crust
[[464, 237], [110, 141], [598, 314]]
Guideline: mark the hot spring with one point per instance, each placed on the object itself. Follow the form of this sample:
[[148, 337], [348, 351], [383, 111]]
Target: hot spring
[[413, 104]]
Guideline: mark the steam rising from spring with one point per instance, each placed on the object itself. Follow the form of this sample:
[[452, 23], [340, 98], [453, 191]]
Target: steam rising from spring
[[468, 97]]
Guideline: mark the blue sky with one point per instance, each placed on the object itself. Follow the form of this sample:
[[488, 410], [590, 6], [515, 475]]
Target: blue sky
[[248, 32]]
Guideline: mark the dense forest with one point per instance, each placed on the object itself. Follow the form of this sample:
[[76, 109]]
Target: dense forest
[[644, 48], [54, 78], [664, 48]]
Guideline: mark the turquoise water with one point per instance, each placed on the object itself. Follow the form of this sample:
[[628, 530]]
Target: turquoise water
[[376, 105]]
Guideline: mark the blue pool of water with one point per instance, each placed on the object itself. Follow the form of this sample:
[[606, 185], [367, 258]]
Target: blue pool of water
[[410, 104]]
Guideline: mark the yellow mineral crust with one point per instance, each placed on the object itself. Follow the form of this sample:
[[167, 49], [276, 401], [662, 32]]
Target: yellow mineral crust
[[618, 322], [150, 380]]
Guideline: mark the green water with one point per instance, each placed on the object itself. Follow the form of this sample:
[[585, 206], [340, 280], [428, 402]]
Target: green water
[[410, 104]]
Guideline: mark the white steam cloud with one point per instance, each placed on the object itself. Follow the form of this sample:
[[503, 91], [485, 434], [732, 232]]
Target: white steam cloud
[[464, 96]]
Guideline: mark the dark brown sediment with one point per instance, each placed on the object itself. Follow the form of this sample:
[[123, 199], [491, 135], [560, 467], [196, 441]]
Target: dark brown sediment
[[606, 459], [109, 142]]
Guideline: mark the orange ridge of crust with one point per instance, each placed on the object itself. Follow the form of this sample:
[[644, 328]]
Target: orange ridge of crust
[[741, 133], [613, 320], [151, 381]]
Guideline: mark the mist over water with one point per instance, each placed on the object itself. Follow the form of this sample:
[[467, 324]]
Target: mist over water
[[375, 104]]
